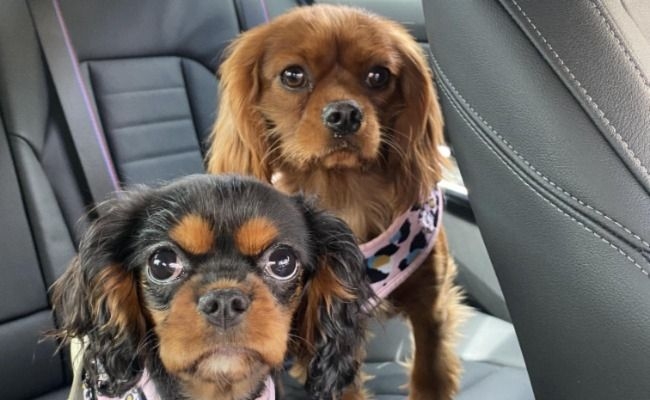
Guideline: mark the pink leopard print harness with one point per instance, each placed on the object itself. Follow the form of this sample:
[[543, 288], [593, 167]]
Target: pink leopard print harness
[[395, 254]]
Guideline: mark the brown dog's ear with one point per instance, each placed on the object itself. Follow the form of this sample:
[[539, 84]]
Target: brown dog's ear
[[98, 300], [331, 321], [237, 141], [419, 122]]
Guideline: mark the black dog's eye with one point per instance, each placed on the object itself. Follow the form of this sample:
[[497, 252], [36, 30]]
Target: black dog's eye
[[377, 77], [294, 77], [281, 263], [164, 266]]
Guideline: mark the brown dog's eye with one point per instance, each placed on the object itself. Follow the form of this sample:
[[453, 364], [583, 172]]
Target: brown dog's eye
[[377, 77], [294, 77], [164, 266], [281, 263]]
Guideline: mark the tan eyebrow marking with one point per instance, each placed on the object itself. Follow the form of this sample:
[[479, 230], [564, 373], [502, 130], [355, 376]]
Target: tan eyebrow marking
[[255, 235], [194, 234]]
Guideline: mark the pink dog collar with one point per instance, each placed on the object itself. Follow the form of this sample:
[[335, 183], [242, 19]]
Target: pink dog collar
[[395, 254], [146, 390]]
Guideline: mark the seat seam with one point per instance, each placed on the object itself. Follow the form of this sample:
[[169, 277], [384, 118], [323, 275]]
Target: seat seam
[[148, 56], [525, 161], [601, 114], [29, 314], [582, 225], [142, 91], [190, 105], [20, 176], [620, 44], [27, 142], [120, 129], [171, 153]]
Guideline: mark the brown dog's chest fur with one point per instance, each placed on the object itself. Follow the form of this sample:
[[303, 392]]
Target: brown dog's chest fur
[[367, 201]]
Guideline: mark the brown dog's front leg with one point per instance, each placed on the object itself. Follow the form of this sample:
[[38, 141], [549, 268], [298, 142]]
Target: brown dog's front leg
[[432, 303]]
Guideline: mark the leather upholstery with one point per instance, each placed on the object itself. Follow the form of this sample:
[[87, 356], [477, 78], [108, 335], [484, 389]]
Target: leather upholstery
[[44, 221], [406, 12], [28, 368], [154, 83], [608, 95], [147, 116], [546, 104]]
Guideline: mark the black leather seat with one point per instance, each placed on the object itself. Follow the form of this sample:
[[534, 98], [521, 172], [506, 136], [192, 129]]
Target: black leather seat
[[548, 108], [153, 86], [27, 367], [155, 90]]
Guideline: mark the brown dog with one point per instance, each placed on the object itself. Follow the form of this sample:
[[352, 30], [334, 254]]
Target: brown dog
[[338, 102]]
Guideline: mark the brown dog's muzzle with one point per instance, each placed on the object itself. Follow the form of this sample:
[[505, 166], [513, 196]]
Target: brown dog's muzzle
[[342, 118]]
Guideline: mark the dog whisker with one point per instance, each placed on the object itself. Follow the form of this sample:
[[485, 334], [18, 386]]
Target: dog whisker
[[293, 338]]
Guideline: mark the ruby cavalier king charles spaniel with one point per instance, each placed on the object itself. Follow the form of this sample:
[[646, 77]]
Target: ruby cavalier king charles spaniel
[[339, 103]]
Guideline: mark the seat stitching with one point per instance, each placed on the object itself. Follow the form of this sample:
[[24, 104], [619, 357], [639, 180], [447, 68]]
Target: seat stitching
[[490, 147], [620, 44], [590, 100], [538, 173]]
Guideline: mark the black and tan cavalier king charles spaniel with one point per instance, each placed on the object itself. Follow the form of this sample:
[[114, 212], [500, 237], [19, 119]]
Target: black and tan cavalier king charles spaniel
[[207, 283]]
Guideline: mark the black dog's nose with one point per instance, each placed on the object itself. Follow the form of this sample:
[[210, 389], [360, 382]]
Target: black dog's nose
[[224, 307], [342, 117]]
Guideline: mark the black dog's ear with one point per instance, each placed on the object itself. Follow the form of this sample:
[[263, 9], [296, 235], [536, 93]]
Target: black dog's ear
[[98, 300], [331, 320]]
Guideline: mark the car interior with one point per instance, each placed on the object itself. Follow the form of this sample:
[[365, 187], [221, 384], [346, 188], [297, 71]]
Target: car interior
[[547, 112]]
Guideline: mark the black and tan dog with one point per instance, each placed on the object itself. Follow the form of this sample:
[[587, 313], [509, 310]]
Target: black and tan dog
[[205, 284]]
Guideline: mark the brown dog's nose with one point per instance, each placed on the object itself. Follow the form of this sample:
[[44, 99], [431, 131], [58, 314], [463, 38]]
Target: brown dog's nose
[[224, 307], [342, 117]]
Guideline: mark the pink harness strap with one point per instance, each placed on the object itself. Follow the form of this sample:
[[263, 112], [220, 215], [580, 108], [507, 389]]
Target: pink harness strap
[[395, 254], [145, 389]]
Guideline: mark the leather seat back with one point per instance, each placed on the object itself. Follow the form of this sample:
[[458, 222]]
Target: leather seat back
[[154, 87], [28, 368], [547, 106]]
